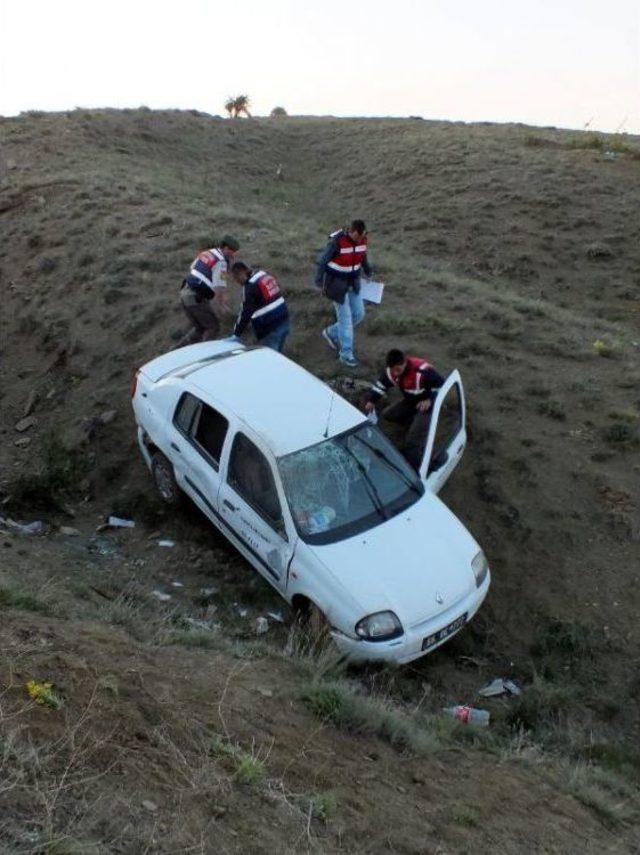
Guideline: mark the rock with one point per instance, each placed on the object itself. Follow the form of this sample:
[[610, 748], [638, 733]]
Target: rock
[[266, 693], [31, 402], [107, 417], [147, 804], [218, 811], [23, 442], [598, 250], [262, 625], [68, 531], [26, 423]]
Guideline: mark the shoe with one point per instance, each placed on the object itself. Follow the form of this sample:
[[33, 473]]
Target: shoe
[[349, 361], [329, 340]]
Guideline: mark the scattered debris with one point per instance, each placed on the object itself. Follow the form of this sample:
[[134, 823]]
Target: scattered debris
[[469, 715], [150, 806], [500, 686], [35, 527], [26, 423], [208, 592], [262, 625], [31, 403], [177, 585], [23, 442], [266, 693], [160, 595], [277, 616], [241, 611], [107, 417], [68, 531], [168, 543], [119, 522]]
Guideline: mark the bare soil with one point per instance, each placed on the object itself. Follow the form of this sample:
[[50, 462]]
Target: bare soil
[[510, 253]]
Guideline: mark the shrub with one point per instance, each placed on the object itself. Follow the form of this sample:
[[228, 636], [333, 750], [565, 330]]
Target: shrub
[[278, 112], [621, 433], [60, 469], [247, 767]]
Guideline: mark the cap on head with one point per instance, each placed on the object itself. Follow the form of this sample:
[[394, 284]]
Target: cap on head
[[230, 242]]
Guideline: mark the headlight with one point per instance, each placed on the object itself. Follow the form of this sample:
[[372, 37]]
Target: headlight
[[379, 627], [480, 568]]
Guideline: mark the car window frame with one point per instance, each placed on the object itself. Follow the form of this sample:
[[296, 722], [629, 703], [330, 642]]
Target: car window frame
[[189, 434], [277, 526]]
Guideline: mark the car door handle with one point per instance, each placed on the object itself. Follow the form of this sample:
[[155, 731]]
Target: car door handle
[[175, 448], [229, 505]]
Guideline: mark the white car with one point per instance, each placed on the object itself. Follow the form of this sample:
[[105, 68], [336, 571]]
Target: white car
[[314, 495]]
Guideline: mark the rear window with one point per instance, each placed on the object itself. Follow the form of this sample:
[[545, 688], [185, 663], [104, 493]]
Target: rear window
[[210, 431], [185, 411]]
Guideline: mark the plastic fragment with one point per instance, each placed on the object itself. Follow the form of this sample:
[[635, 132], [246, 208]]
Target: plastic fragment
[[499, 686], [119, 522]]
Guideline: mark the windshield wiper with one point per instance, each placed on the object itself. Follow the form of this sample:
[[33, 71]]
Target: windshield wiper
[[372, 490], [411, 484]]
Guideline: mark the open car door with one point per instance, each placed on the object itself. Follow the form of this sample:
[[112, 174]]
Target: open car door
[[447, 435]]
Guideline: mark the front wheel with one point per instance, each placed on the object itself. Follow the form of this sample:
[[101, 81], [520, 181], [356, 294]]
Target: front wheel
[[165, 479]]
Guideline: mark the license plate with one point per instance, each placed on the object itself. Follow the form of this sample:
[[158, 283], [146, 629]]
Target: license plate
[[445, 632]]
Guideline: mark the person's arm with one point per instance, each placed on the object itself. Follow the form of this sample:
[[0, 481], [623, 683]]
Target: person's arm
[[219, 286], [247, 308], [430, 381], [366, 267], [324, 259], [377, 391]]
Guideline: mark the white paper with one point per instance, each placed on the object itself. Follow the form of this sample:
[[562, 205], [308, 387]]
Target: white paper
[[371, 291]]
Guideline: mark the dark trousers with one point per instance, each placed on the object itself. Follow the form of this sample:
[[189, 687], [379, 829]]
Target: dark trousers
[[416, 426], [205, 323]]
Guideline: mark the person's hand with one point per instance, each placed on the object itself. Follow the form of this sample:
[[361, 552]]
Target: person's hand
[[424, 406], [369, 407]]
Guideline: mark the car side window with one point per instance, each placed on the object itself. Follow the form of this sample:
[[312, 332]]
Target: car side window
[[251, 477], [185, 411], [209, 431]]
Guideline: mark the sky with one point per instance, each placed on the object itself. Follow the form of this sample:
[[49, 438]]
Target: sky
[[567, 63]]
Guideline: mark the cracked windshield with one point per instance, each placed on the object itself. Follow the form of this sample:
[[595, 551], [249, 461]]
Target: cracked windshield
[[347, 485]]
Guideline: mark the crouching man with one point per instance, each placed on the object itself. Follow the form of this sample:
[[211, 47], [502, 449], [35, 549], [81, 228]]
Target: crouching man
[[263, 305], [418, 382]]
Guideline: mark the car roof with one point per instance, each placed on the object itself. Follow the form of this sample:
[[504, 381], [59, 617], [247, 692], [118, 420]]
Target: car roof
[[278, 399]]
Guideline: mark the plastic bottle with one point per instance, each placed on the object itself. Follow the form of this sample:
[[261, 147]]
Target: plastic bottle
[[469, 715], [321, 520]]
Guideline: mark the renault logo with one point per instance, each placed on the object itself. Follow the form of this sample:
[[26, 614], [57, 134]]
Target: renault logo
[[439, 598]]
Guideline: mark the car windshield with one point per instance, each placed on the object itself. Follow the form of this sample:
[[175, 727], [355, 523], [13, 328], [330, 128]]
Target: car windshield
[[347, 484]]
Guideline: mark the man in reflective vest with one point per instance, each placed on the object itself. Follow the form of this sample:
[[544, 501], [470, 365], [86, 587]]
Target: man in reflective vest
[[263, 305], [206, 281], [338, 274], [418, 382]]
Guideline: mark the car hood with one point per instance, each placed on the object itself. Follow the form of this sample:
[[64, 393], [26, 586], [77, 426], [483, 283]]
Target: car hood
[[417, 564]]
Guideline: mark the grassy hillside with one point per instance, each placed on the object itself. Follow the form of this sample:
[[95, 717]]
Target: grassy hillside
[[510, 253]]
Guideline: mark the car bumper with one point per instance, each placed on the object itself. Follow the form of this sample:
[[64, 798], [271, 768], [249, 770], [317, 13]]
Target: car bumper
[[409, 646]]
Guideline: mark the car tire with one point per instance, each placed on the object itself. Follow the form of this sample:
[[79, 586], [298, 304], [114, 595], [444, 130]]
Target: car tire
[[165, 480], [317, 630]]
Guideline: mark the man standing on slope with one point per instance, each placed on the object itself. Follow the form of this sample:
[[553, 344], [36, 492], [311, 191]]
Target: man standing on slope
[[263, 305], [338, 274], [419, 382], [206, 281]]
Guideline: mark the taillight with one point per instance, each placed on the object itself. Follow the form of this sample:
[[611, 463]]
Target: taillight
[[134, 384]]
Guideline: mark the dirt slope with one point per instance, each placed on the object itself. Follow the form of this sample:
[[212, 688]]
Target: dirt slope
[[511, 253]]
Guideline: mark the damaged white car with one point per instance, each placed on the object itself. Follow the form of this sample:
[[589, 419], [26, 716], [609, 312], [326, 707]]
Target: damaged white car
[[314, 496]]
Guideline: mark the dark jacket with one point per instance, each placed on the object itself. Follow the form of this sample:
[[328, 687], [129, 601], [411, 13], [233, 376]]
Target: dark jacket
[[336, 285], [263, 305]]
